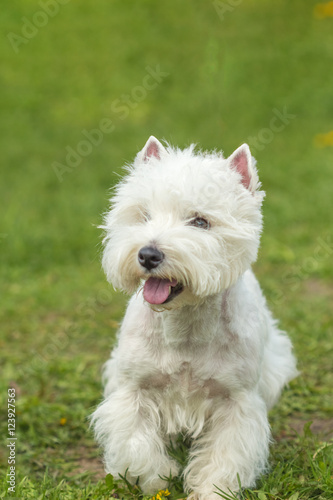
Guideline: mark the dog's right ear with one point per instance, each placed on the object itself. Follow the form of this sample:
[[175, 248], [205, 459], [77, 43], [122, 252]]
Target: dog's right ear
[[153, 148]]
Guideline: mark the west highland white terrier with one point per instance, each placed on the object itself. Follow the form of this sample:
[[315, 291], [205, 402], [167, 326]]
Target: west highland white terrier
[[198, 351]]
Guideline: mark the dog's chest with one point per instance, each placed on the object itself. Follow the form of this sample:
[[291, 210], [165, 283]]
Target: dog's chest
[[193, 356], [189, 380], [181, 374]]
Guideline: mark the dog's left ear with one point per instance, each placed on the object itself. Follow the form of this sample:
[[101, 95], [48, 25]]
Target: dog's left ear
[[242, 161], [153, 148]]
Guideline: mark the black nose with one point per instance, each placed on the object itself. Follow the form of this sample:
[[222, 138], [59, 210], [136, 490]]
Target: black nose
[[150, 257]]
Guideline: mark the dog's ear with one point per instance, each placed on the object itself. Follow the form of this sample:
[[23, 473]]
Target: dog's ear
[[242, 161], [153, 148]]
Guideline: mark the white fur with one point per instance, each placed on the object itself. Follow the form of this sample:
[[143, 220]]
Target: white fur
[[211, 362]]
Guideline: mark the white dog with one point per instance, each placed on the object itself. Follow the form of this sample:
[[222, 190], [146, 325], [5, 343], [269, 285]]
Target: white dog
[[198, 351]]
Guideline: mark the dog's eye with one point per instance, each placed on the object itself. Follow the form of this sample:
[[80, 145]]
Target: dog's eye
[[146, 216], [200, 222]]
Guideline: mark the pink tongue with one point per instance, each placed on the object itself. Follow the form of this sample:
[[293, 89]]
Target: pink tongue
[[156, 290]]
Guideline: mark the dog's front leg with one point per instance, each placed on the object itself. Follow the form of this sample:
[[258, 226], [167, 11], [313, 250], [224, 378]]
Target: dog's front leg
[[127, 425], [235, 441]]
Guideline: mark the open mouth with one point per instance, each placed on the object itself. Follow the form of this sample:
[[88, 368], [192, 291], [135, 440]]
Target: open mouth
[[161, 291]]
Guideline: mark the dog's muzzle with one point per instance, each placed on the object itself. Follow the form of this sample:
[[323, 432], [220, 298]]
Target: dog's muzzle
[[157, 290]]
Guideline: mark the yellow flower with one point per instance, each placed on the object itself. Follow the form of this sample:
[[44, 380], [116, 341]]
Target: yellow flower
[[161, 494], [63, 421], [322, 10], [324, 140]]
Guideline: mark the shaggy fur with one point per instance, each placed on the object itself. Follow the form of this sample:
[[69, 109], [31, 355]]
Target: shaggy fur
[[209, 361]]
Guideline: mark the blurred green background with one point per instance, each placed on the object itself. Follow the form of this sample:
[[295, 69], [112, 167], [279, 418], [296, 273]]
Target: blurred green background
[[214, 73]]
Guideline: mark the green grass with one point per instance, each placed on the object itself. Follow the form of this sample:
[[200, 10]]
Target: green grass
[[226, 77]]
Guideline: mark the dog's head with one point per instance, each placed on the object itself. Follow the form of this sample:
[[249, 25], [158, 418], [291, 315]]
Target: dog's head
[[185, 224]]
